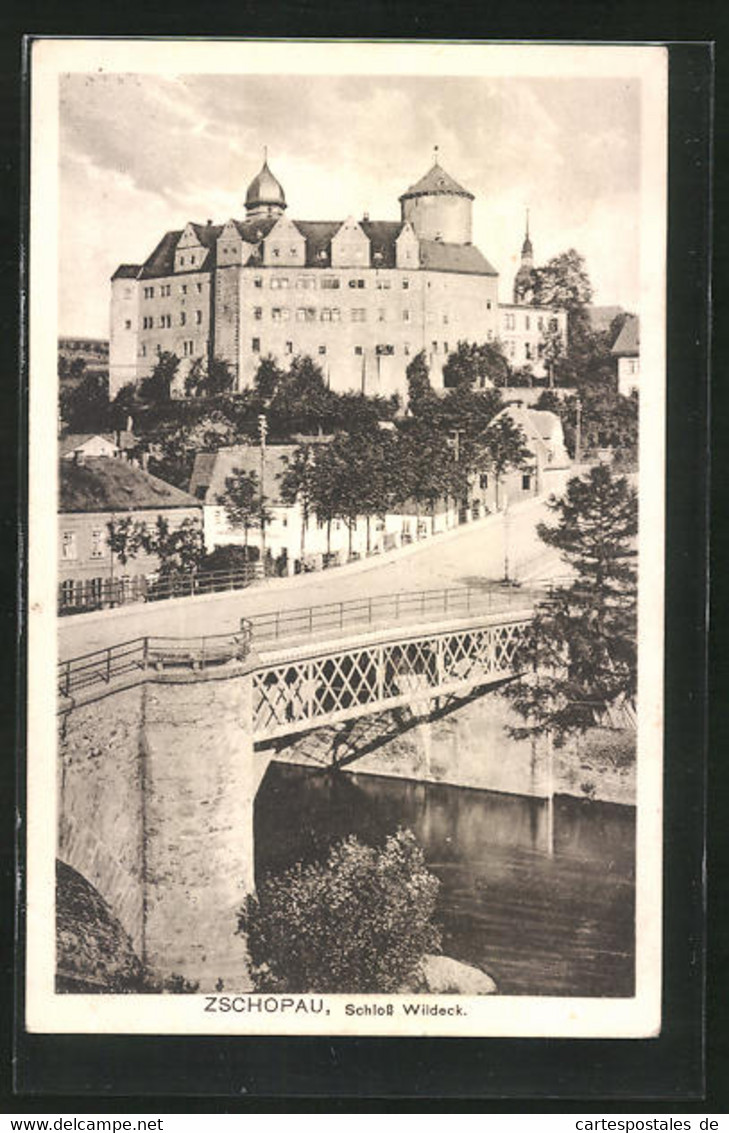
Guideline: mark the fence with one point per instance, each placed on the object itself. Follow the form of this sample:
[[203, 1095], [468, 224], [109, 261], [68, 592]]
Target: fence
[[81, 596], [390, 609], [132, 657]]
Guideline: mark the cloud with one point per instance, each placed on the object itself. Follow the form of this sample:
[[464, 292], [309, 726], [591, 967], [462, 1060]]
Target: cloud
[[142, 154]]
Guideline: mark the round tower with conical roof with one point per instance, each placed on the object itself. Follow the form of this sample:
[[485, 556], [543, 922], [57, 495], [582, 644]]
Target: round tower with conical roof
[[438, 207], [265, 196], [524, 278]]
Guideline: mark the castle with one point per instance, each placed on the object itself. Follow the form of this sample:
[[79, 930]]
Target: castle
[[361, 297]]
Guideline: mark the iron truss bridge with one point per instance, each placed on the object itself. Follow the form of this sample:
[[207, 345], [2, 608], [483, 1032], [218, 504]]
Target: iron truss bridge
[[326, 683]]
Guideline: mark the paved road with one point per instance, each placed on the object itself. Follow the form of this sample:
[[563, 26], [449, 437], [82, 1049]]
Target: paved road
[[472, 555]]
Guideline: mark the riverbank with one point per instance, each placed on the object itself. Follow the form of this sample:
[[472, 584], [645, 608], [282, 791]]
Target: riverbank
[[472, 747]]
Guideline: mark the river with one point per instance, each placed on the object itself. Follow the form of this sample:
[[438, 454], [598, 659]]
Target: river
[[539, 923]]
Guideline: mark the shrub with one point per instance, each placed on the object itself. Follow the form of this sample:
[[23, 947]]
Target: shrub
[[359, 922]]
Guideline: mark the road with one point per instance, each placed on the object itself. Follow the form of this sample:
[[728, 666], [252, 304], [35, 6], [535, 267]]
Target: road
[[472, 555]]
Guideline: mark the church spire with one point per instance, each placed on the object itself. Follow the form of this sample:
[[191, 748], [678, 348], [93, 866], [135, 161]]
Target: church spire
[[527, 251]]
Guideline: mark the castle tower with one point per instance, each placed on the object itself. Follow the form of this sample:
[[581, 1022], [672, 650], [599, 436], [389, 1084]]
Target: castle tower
[[524, 278], [438, 207], [265, 196]]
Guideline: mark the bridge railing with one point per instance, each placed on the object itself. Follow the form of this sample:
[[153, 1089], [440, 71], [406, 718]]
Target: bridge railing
[[104, 665], [389, 608]]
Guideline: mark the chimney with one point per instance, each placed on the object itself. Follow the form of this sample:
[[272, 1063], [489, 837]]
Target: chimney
[[366, 216]]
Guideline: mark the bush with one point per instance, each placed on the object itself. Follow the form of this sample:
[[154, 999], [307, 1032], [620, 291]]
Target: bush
[[359, 922]]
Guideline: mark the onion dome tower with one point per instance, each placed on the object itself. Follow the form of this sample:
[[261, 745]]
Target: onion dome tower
[[438, 207], [265, 196], [524, 278]]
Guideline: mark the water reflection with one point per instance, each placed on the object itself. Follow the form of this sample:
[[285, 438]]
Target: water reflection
[[546, 907]]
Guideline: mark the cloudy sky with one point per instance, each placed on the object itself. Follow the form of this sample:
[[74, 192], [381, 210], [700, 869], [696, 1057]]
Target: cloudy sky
[[141, 154]]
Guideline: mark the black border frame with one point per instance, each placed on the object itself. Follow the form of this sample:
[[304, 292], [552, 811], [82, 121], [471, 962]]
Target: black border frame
[[608, 1073]]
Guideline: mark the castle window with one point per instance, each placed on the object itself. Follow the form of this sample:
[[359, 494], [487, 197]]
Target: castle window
[[183, 318], [258, 312], [526, 323], [192, 259], [183, 289], [256, 345], [199, 288], [258, 281], [540, 323], [383, 284], [405, 284], [381, 315], [435, 347], [526, 482], [289, 347], [330, 283], [528, 350], [278, 281], [182, 261], [322, 349], [280, 314], [445, 347], [510, 323], [275, 252], [553, 324], [127, 324], [293, 251], [445, 320], [488, 304], [306, 314], [406, 348], [198, 317], [143, 351], [359, 314], [165, 290], [358, 349], [483, 480], [357, 283], [326, 314], [306, 282], [384, 349]]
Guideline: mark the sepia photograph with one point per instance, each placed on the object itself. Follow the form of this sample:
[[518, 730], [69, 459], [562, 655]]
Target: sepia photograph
[[347, 396]]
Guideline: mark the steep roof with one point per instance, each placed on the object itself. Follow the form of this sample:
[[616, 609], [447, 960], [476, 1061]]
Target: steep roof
[[162, 260], [253, 231], [436, 182], [72, 441], [542, 431], [318, 235], [211, 470], [102, 483], [127, 271], [464, 258], [628, 341]]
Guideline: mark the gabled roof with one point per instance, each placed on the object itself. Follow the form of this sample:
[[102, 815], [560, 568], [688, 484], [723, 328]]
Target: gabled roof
[[102, 484], [207, 234], [162, 260], [382, 235], [465, 258], [73, 441], [211, 470], [628, 341], [318, 235], [542, 431], [436, 182], [253, 231]]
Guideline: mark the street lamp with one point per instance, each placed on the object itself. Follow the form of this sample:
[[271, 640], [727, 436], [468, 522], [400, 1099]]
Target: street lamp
[[262, 431], [507, 533]]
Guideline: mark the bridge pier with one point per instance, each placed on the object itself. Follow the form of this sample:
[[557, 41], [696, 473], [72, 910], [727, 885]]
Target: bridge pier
[[200, 778]]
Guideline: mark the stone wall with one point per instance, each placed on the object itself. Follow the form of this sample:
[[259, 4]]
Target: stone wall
[[100, 801]]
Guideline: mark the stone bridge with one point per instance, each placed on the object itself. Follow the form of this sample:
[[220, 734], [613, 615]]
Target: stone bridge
[[163, 745]]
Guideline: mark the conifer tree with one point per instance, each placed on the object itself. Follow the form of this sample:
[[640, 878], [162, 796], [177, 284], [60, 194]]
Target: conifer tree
[[581, 657]]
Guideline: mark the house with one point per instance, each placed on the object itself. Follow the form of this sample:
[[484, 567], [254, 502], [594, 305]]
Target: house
[[75, 445], [626, 349], [294, 539], [524, 326], [93, 492], [547, 470]]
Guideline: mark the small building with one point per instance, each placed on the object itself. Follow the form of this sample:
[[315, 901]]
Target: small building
[[75, 445], [524, 326], [546, 472], [93, 492], [626, 349]]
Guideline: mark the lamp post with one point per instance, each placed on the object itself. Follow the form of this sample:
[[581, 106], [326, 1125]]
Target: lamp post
[[507, 533], [262, 431]]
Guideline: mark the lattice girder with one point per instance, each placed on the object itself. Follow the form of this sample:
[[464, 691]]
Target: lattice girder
[[298, 694]]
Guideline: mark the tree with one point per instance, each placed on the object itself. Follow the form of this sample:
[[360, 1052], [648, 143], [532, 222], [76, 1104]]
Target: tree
[[359, 922], [297, 484], [302, 401], [180, 551], [475, 364], [552, 348], [502, 447], [268, 377], [85, 407], [124, 538], [156, 388], [242, 501], [563, 283], [209, 378], [581, 656], [420, 390]]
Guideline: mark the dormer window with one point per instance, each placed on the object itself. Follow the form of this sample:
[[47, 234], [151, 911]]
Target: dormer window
[[182, 261], [275, 252], [192, 259]]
